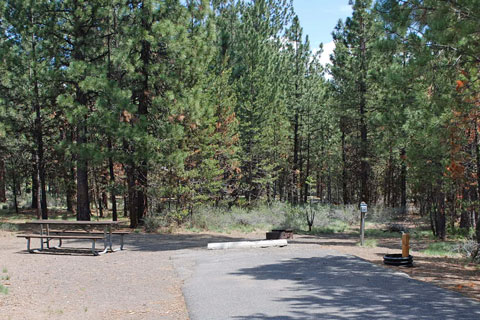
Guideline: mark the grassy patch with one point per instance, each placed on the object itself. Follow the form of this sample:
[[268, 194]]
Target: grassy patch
[[4, 270], [379, 233], [441, 249], [3, 289], [369, 243], [460, 234], [336, 226], [5, 226], [422, 234]]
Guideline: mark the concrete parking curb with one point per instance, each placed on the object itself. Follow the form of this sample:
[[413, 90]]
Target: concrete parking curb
[[247, 244]]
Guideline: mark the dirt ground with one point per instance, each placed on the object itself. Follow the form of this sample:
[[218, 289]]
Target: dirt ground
[[141, 282]]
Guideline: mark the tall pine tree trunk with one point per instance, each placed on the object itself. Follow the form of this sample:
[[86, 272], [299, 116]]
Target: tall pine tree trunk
[[143, 96], [346, 199], [111, 171], [465, 221], [477, 149], [319, 191], [70, 192], [307, 172], [34, 204], [38, 134], [15, 193], [83, 200], [113, 194], [403, 182], [295, 160], [70, 176], [329, 185], [131, 198], [3, 197]]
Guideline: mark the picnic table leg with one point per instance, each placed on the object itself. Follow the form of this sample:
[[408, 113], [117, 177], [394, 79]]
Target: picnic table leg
[[121, 242], [109, 229], [41, 239], [47, 241], [28, 246], [105, 238], [59, 244], [59, 241], [95, 253], [105, 246]]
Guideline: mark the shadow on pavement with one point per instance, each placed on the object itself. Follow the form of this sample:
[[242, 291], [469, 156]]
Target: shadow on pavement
[[167, 242], [339, 287]]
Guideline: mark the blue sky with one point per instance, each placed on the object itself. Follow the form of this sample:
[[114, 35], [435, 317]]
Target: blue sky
[[318, 18]]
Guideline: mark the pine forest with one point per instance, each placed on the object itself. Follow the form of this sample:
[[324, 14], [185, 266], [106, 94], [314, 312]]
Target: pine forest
[[158, 108]]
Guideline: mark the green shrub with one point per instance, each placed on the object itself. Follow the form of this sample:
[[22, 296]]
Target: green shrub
[[469, 249], [441, 249], [460, 233], [369, 243], [335, 226], [153, 222], [3, 289], [5, 226]]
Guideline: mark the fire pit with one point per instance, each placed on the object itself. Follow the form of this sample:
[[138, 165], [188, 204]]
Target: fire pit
[[396, 259], [280, 234]]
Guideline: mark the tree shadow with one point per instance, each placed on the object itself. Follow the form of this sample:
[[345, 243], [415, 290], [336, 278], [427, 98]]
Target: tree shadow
[[148, 242], [445, 272], [339, 287], [168, 242]]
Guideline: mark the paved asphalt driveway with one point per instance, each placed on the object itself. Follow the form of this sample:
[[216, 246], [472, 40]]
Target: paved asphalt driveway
[[303, 283]]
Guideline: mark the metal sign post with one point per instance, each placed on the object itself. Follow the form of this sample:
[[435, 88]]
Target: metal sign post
[[363, 212]]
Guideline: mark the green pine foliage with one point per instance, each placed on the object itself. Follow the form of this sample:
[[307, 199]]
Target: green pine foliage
[[165, 103]]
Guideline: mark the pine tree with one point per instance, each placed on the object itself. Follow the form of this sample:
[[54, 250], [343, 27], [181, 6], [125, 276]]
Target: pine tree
[[82, 27], [351, 62]]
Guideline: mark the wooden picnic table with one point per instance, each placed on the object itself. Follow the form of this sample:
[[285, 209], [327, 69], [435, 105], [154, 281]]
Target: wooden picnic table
[[46, 234]]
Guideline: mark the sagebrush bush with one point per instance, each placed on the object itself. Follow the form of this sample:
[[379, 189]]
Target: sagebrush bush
[[5, 226], [469, 249], [154, 221], [263, 216]]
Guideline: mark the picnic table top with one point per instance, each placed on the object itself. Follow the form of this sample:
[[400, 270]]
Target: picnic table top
[[73, 222]]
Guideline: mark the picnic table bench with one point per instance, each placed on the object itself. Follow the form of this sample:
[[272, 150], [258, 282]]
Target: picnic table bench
[[88, 232]]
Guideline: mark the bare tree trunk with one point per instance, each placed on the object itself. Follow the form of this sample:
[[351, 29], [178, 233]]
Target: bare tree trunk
[[140, 173], [319, 185], [440, 223], [125, 206], [477, 149], [403, 182], [113, 198], [14, 189], [295, 160], [83, 200], [346, 198], [34, 204], [131, 199], [70, 176], [3, 197], [97, 195], [105, 200], [38, 134], [307, 172]]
